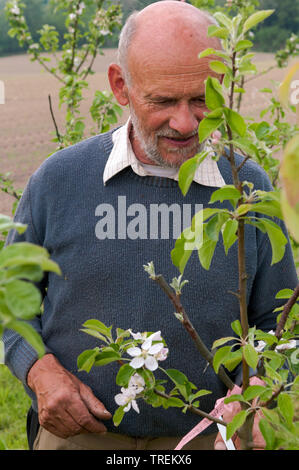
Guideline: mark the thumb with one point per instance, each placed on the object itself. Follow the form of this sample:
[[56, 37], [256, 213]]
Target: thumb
[[219, 443], [95, 406]]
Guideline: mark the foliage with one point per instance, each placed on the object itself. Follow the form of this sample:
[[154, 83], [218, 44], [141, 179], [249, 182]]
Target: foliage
[[83, 40], [21, 266]]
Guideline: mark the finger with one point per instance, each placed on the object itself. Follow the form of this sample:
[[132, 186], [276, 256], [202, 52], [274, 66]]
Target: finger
[[81, 415], [62, 426], [95, 406], [219, 443]]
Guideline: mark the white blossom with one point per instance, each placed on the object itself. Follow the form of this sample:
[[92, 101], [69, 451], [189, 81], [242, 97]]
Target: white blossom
[[289, 345], [72, 16], [127, 398], [149, 354], [81, 7], [15, 10]]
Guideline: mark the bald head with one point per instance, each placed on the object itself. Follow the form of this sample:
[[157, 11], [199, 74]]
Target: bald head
[[165, 29]]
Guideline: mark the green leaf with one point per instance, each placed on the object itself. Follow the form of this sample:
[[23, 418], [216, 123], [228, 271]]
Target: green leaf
[[23, 299], [220, 356], [215, 31], [179, 255], [106, 357], [124, 374], [268, 433], [31, 272], [277, 239], [229, 234], [7, 224], [29, 334], [118, 416], [236, 327], [207, 126], [206, 252], [256, 18], [237, 421], [188, 169], [221, 341], [250, 355], [253, 391], [86, 359], [235, 121], [27, 253], [270, 208], [233, 359], [98, 326], [213, 227], [218, 66], [233, 398], [284, 294], [243, 44], [224, 20], [207, 52], [286, 408], [213, 94], [172, 402], [181, 381], [199, 394], [228, 192]]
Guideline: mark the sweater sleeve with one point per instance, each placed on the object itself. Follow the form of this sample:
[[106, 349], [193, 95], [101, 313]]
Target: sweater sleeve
[[19, 354]]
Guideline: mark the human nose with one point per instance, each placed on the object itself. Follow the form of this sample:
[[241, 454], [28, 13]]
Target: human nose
[[183, 119]]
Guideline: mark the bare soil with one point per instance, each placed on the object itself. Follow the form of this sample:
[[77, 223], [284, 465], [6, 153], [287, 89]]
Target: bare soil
[[26, 127]]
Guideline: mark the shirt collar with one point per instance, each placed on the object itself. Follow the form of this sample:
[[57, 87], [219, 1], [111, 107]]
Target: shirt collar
[[122, 156]]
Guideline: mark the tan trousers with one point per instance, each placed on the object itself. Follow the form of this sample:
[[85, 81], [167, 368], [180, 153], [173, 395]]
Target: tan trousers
[[111, 441]]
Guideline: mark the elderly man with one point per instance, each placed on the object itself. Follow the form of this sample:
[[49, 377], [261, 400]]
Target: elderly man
[[66, 206]]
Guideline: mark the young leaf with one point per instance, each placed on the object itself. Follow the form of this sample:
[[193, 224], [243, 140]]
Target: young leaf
[[29, 334], [224, 20], [179, 255], [98, 326], [253, 391], [86, 359], [268, 433], [277, 239], [106, 357], [220, 356], [221, 341], [124, 374], [213, 94], [235, 121], [236, 327], [23, 299], [250, 355], [229, 234], [228, 192], [218, 66], [215, 31], [206, 252], [213, 227], [118, 416], [256, 18], [243, 44], [286, 407], [207, 126], [188, 169], [237, 421]]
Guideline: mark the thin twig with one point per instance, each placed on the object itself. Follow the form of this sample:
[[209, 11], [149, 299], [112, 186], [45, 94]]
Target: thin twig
[[194, 410], [53, 119], [204, 351], [285, 313]]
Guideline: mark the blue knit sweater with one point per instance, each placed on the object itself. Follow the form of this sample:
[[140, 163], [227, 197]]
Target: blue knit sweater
[[105, 279]]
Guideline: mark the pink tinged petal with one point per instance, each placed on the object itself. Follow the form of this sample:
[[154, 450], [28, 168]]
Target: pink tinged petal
[[137, 362], [155, 336], [151, 363], [156, 348], [134, 352], [146, 345], [121, 399], [135, 406]]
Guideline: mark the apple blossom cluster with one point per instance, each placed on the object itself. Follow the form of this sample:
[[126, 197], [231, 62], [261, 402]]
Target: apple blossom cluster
[[147, 355]]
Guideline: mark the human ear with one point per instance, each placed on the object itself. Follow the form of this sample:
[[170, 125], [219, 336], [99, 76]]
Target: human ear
[[118, 84]]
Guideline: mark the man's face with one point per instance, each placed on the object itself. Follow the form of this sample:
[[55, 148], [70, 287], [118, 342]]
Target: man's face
[[167, 103]]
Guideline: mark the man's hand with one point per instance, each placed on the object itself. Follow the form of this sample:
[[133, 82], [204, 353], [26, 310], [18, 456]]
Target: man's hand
[[66, 406], [230, 410]]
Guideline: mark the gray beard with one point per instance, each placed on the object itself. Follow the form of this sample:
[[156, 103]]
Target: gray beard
[[150, 146]]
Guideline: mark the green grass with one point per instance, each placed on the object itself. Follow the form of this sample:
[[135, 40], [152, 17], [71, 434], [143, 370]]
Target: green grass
[[14, 404]]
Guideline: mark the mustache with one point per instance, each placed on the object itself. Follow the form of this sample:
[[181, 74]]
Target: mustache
[[172, 134]]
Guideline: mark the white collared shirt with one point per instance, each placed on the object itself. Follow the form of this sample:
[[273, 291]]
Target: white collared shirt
[[122, 156]]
